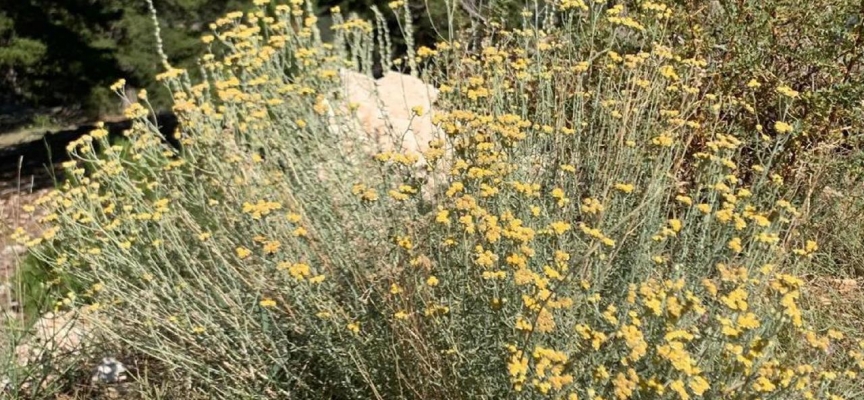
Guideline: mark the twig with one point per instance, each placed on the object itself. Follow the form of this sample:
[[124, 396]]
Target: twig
[[471, 9]]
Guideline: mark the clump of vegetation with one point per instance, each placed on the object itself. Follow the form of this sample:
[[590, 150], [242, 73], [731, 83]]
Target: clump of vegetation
[[611, 225]]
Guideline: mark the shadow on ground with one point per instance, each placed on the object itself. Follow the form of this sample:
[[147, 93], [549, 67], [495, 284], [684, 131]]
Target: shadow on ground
[[35, 165]]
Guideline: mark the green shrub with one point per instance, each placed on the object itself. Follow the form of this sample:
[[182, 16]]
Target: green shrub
[[815, 50]]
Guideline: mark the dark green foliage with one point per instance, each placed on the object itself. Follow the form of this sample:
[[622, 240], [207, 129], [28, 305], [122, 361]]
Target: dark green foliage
[[817, 50], [34, 280], [65, 53], [74, 56]]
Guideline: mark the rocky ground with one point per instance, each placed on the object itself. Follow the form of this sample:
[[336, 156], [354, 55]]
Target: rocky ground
[[11, 253]]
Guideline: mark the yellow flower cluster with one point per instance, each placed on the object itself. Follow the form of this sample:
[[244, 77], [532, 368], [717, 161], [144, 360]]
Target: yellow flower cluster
[[261, 208], [600, 228]]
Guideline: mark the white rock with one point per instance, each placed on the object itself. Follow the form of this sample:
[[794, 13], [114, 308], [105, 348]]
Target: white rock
[[13, 249], [53, 335], [384, 119], [109, 371]]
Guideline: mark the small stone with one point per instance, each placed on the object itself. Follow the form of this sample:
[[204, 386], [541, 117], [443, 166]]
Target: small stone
[[13, 249], [109, 371]]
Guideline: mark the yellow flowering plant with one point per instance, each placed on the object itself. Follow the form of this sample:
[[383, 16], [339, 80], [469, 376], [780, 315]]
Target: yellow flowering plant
[[587, 228]]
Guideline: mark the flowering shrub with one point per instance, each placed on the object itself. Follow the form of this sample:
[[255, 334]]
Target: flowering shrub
[[771, 42], [597, 235]]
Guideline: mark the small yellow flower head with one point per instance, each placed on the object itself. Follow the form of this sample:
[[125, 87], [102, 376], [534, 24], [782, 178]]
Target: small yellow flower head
[[404, 242], [787, 91], [663, 140], [591, 206], [669, 72], [354, 327], [782, 127], [293, 218], [432, 281], [135, 110], [559, 227], [763, 384], [120, 84], [699, 385], [736, 300], [267, 303], [242, 252], [272, 246], [735, 245], [443, 217], [624, 187], [684, 200], [836, 335], [753, 84]]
